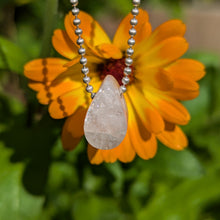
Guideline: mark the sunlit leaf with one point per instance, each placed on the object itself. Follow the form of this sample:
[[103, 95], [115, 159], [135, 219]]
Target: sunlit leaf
[[22, 2], [12, 57], [97, 208], [184, 201], [15, 201], [62, 174], [198, 109], [179, 164], [117, 172]]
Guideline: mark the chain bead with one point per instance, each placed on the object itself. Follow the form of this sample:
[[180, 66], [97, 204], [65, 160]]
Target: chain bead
[[80, 41], [131, 41], [123, 88], [127, 71], [89, 88], [75, 11], [125, 80], [132, 32], [78, 31], [83, 61], [85, 70], [76, 21], [86, 79], [135, 11], [130, 51], [134, 21], [82, 51], [74, 2], [128, 61], [136, 2]]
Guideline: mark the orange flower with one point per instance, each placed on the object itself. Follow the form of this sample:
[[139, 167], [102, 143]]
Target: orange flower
[[159, 80]]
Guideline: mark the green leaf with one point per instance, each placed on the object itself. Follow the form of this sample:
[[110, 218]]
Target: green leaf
[[177, 163], [116, 170], [184, 201], [139, 190], [12, 57], [198, 108], [22, 2], [214, 91], [15, 201], [28, 40], [62, 174], [17, 2], [97, 208], [49, 23], [208, 140]]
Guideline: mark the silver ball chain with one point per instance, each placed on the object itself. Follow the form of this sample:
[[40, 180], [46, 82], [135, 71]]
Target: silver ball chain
[[129, 52]]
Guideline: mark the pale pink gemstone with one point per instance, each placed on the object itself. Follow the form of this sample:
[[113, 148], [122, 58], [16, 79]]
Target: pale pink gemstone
[[106, 123]]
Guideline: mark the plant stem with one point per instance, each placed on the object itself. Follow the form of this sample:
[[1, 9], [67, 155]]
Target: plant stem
[[49, 22]]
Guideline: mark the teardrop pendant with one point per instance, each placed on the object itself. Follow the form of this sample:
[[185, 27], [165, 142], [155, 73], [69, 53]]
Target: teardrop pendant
[[106, 122]]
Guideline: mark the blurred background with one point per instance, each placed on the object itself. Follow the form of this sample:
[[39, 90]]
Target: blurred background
[[38, 180]]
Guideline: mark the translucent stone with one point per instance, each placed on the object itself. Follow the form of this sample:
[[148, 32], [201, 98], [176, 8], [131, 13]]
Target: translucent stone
[[105, 124]]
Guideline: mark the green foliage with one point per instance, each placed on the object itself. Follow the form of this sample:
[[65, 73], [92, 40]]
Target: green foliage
[[185, 201], [49, 21], [12, 57], [38, 180], [15, 202]]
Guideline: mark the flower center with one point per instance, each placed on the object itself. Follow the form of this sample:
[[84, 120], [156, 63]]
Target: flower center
[[114, 68]]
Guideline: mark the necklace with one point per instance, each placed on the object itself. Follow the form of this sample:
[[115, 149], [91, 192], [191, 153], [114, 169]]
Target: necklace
[[106, 120]]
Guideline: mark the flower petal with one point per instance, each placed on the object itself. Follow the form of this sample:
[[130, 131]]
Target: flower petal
[[68, 103], [149, 116], [172, 28], [170, 109], [124, 152], [69, 80], [93, 34], [94, 155], [184, 88], [52, 84], [154, 77], [173, 137], [143, 30], [164, 53], [51, 91], [184, 95], [63, 44], [173, 111], [73, 129], [108, 51], [73, 74], [187, 67], [144, 142], [44, 70]]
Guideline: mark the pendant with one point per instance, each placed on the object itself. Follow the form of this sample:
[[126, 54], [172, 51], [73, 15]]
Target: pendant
[[106, 120]]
